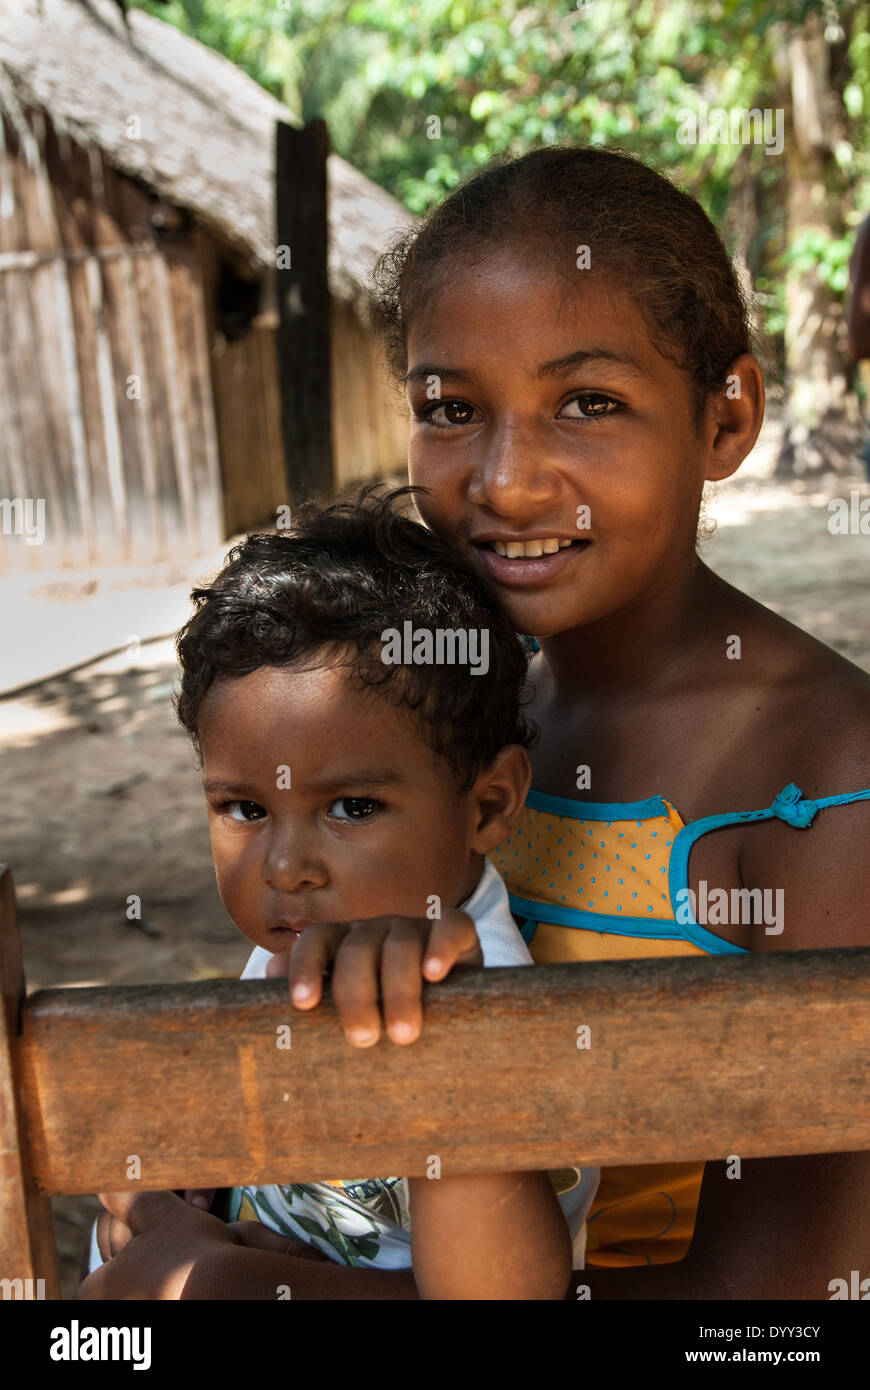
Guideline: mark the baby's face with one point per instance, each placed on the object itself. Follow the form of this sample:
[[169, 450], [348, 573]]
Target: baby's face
[[325, 804]]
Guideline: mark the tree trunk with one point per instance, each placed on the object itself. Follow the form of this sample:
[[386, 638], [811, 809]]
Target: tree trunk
[[822, 420]]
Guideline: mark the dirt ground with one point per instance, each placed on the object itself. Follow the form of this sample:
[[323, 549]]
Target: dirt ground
[[103, 800]]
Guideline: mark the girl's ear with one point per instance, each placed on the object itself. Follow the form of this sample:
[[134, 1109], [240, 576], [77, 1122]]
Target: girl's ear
[[498, 795], [735, 416]]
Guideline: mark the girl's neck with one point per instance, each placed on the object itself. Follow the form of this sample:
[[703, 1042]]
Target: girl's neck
[[648, 646]]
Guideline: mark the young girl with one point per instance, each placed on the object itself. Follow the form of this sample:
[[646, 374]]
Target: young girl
[[575, 354]]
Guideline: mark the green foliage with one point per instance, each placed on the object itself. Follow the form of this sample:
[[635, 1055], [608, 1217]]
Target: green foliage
[[420, 93]]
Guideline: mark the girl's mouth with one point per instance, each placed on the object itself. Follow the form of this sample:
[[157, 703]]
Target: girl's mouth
[[529, 562]]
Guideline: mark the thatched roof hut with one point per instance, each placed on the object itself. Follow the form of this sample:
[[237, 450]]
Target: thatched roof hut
[[131, 142]]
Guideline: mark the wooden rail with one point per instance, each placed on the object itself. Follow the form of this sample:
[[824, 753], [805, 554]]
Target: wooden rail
[[612, 1063]]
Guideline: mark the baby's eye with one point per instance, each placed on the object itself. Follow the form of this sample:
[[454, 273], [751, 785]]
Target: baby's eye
[[249, 811], [455, 413], [354, 807], [592, 406]]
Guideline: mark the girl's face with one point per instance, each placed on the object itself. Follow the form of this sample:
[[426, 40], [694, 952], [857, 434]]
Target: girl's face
[[544, 417]]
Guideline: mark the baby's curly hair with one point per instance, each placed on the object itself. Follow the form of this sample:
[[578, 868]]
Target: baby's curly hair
[[332, 584]]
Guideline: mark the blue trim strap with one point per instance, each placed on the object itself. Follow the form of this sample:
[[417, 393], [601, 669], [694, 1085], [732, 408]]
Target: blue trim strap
[[650, 809], [789, 806], [602, 922]]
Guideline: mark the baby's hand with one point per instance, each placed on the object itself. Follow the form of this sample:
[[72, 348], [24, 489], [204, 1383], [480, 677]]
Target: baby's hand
[[390, 955], [199, 1196]]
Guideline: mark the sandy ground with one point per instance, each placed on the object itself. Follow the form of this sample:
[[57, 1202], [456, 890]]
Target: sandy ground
[[101, 792]]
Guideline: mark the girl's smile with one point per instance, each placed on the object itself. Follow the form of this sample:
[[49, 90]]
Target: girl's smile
[[516, 564]]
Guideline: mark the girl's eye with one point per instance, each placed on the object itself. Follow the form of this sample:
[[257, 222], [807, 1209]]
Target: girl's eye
[[455, 413], [354, 808], [249, 811], [592, 402]]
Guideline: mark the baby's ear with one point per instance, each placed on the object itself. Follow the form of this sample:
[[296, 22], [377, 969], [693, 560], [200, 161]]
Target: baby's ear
[[500, 792]]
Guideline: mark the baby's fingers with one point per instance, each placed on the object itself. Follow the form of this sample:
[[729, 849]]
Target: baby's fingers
[[355, 981], [402, 981], [200, 1196], [452, 941], [311, 957]]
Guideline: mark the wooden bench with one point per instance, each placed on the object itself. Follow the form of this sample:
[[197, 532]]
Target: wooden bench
[[687, 1059]]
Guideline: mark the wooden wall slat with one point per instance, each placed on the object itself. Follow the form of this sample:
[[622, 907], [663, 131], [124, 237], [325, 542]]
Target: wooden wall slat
[[12, 476], [37, 436], [209, 499], [85, 330], [370, 417], [75, 408], [148, 525], [688, 1059], [116, 544], [146, 273], [195, 394], [174, 393]]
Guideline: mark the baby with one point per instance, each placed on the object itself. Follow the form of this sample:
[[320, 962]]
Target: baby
[[353, 691]]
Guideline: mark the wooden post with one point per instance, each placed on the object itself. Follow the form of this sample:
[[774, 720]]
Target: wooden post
[[27, 1248], [304, 308]]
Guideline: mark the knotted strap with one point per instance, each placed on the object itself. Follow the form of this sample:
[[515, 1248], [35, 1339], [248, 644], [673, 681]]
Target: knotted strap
[[790, 807]]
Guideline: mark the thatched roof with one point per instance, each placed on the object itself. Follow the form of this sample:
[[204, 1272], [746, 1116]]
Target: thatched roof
[[208, 130]]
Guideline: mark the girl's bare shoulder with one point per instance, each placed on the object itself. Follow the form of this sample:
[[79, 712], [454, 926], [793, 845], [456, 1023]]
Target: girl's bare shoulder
[[814, 703]]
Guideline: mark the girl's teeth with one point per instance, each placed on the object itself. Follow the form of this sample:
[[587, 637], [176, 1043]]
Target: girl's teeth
[[529, 550]]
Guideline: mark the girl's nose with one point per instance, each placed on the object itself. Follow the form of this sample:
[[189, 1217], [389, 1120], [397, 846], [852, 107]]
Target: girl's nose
[[513, 475]]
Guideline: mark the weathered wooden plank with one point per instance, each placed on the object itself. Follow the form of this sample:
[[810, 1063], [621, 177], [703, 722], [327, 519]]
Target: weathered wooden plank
[[39, 462], [38, 226], [195, 398], [27, 1249], [687, 1060], [175, 395], [154, 397], [119, 542], [12, 479], [209, 498], [85, 333], [149, 533]]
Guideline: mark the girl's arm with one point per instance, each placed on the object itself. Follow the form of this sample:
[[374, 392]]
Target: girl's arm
[[490, 1236], [785, 1229]]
